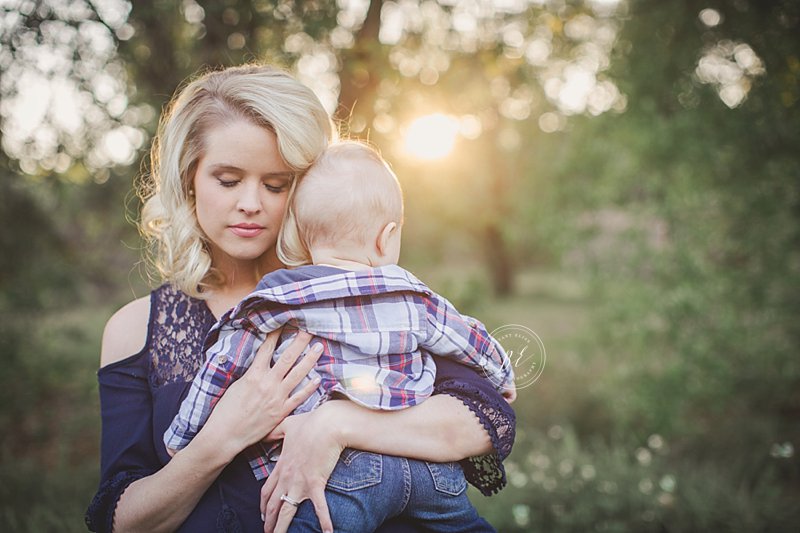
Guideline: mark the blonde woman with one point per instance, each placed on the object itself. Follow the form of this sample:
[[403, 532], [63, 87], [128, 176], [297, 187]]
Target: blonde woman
[[224, 163]]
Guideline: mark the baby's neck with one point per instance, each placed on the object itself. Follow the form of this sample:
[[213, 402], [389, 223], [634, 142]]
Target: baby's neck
[[345, 261]]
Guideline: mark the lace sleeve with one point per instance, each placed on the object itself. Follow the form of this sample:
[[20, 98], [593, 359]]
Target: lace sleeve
[[485, 472], [100, 514]]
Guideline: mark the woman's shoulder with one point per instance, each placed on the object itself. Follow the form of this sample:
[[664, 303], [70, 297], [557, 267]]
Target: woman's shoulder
[[125, 333]]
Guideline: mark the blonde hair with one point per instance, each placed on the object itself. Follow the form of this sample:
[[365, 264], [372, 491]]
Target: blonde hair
[[266, 96], [347, 196]]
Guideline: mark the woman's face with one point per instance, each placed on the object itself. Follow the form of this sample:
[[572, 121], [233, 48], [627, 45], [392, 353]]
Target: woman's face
[[241, 187]]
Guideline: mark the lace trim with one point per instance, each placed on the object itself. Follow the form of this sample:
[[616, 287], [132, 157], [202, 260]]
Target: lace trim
[[179, 324], [485, 472], [100, 514]]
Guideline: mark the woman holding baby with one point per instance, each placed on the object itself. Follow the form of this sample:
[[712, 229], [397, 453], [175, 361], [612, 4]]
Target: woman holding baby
[[224, 165]]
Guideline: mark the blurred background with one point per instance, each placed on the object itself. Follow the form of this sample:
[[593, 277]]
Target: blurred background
[[621, 177]]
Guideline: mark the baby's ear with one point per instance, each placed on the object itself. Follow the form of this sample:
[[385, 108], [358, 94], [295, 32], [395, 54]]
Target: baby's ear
[[384, 237]]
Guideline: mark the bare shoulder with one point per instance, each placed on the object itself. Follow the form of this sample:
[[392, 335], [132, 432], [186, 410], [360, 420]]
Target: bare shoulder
[[126, 331]]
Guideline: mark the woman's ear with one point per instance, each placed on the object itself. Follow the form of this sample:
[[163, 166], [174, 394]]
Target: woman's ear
[[385, 237]]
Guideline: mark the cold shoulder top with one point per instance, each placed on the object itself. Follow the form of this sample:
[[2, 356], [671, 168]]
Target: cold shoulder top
[[140, 395]]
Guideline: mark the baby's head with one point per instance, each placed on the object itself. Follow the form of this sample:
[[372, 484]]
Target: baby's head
[[346, 209]]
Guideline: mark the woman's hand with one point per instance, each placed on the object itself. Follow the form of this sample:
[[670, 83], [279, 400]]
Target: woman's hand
[[256, 403], [510, 393], [311, 447], [248, 411]]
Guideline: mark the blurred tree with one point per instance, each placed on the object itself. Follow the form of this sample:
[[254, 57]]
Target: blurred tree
[[380, 59], [702, 172], [361, 68], [498, 69]]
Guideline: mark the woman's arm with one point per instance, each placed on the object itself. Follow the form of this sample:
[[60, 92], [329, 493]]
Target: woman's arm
[[448, 426], [159, 499], [485, 472], [440, 429]]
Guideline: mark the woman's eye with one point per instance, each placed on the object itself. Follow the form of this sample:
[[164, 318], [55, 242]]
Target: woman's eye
[[275, 188], [227, 182]]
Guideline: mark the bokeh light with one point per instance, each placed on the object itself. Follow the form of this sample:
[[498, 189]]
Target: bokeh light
[[431, 137]]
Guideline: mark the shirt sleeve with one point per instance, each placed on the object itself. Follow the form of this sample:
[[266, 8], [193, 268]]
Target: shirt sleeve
[[227, 359], [127, 452], [465, 340], [485, 472]]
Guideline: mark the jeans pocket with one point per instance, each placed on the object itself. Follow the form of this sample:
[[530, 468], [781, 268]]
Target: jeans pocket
[[448, 478], [356, 470]]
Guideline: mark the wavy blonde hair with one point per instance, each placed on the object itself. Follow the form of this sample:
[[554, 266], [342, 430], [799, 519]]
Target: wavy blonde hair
[[264, 95]]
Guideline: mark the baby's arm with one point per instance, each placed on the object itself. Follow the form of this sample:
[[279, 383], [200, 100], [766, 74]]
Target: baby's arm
[[226, 361], [466, 340]]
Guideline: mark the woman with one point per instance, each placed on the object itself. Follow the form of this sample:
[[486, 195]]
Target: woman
[[224, 164]]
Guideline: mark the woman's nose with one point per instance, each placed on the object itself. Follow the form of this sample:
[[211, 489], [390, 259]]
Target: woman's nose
[[249, 201]]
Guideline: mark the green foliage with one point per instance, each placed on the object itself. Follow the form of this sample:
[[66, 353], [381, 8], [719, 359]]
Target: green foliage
[[685, 213], [701, 302], [561, 483], [28, 231], [48, 457]]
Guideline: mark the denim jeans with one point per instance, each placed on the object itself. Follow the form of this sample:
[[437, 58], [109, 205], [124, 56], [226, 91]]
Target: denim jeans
[[366, 489]]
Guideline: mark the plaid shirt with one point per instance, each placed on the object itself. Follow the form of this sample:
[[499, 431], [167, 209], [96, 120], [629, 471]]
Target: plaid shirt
[[375, 325]]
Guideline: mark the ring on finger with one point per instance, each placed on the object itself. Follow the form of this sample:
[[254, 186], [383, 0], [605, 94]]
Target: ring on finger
[[290, 501]]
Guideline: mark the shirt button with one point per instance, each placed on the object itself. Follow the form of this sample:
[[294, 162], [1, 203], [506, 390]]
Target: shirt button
[[222, 359]]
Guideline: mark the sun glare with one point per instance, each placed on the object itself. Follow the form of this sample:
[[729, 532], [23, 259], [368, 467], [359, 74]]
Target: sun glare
[[431, 136]]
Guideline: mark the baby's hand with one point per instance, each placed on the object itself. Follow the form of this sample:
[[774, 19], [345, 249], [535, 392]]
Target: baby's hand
[[510, 393], [171, 452]]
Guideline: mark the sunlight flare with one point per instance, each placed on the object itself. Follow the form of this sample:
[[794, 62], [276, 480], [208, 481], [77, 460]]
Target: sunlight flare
[[432, 136]]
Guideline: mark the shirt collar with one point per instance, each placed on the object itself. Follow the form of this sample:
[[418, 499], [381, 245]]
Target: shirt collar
[[378, 280]]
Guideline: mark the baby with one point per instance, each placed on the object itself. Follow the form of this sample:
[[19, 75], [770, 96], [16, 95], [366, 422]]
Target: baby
[[378, 325]]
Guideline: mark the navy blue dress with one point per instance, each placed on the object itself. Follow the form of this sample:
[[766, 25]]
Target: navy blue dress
[[140, 395]]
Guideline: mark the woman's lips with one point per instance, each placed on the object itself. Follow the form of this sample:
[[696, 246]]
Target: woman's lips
[[246, 230]]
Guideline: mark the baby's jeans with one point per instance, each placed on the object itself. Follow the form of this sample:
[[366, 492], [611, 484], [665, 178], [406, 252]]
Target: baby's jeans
[[366, 489]]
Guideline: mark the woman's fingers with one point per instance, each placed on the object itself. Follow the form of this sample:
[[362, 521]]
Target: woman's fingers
[[287, 512], [288, 424], [296, 399], [272, 508], [510, 394], [266, 492], [285, 516], [264, 354], [321, 508], [302, 369], [290, 355]]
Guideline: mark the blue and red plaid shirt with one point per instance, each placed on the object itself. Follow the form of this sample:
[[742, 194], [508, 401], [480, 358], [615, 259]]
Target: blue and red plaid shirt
[[377, 327]]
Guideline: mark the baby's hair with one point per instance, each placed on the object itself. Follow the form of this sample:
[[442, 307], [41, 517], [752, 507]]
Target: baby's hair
[[262, 95], [347, 196]]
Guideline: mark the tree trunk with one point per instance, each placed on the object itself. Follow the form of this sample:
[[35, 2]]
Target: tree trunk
[[360, 73], [498, 258]]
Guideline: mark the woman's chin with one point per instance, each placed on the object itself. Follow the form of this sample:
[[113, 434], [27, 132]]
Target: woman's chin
[[254, 253]]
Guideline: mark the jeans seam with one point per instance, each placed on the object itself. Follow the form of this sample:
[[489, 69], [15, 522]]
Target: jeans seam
[[406, 484]]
